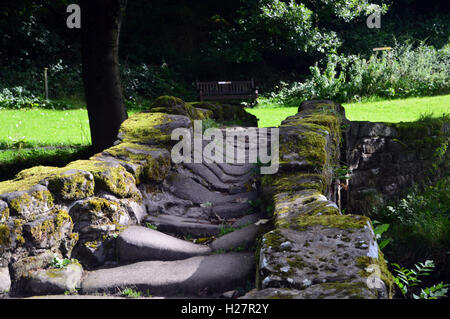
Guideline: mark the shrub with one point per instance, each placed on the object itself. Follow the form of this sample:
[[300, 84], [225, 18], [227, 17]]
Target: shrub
[[420, 226], [401, 72]]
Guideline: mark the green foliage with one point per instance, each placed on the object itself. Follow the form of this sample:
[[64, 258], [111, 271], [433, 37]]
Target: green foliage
[[151, 226], [225, 229], [419, 226], [142, 80], [408, 278], [62, 263], [130, 293], [379, 230], [402, 72]]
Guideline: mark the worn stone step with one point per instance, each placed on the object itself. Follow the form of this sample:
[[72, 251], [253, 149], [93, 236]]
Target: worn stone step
[[183, 226], [232, 210], [194, 276], [138, 243], [242, 239]]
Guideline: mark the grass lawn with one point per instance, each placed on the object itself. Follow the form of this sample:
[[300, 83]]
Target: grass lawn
[[42, 127], [406, 110]]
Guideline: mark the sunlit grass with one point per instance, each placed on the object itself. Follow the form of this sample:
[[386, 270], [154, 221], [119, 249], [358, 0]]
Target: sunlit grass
[[404, 110]]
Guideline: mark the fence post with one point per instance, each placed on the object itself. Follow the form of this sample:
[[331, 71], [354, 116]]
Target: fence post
[[45, 84]]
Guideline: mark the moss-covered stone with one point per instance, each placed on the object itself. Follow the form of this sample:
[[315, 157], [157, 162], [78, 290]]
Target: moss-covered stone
[[143, 127], [72, 185], [5, 235], [108, 177], [153, 164], [364, 262], [331, 221]]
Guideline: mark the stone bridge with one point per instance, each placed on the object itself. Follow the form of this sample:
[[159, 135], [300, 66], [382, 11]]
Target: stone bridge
[[131, 218]]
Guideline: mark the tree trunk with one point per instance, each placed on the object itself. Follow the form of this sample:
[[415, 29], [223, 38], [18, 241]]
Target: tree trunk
[[100, 25]]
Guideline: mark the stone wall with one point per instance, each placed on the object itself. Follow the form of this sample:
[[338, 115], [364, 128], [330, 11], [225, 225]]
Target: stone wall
[[314, 251], [385, 159]]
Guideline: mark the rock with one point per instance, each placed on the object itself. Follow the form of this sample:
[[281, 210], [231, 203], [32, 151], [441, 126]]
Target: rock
[[241, 239], [232, 210], [370, 129], [54, 281], [194, 276], [4, 212], [72, 185], [139, 243], [230, 294], [29, 204], [25, 265], [247, 219], [320, 254], [183, 226], [319, 291], [188, 189], [49, 231], [5, 280]]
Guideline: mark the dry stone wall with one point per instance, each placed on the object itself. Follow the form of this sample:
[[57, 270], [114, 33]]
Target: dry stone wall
[[385, 159], [314, 251]]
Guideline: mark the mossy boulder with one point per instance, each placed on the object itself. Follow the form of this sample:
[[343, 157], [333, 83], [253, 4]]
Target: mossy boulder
[[302, 149], [318, 254], [55, 281], [151, 128], [29, 204], [166, 101], [97, 217], [49, 231], [109, 177], [72, 185], [144, 162], [25, 265]]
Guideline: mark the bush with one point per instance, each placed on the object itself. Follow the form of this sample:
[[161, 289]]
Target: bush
[[399, 73], [420, 226], [150, 82]]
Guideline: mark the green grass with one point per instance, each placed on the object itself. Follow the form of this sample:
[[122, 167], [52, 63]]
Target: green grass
[[270, 117], [42, 127], [394, 111], [374, 110]]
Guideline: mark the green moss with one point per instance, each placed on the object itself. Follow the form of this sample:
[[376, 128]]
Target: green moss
[[142, 127], [273, 239], [61, 217], [296, 262], [26, 179], [71, 186], [114, 179], [5, 239], [311, 146], [19, 202], [352, 289], [167, 101], [331, 221], [293, 182], [385, 275], [4, 215]]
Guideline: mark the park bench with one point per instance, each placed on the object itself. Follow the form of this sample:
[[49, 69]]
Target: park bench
[[227, 90]]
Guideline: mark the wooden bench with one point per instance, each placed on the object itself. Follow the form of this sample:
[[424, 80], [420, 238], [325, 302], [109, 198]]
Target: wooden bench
[[227, 90]]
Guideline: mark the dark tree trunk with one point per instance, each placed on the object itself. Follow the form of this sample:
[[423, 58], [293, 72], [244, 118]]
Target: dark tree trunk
[[100, 25]]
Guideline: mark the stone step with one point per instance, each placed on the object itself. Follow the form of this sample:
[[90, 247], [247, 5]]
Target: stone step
[[138, 243], [232, 210], [202, 275], [183, 226], [242, 239]]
